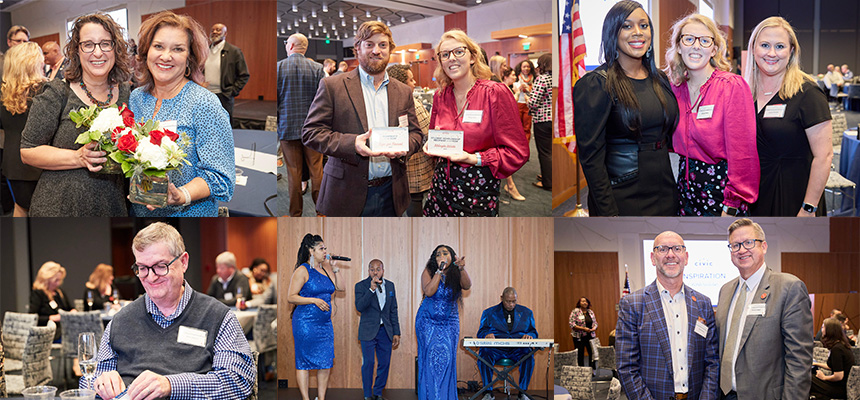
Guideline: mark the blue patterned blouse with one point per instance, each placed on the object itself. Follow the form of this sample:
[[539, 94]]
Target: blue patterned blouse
[[198, 114]]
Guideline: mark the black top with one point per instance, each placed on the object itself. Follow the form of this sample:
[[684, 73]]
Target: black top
[[598, 121], [588, 321], [784, 153], [99, 299], [841, 359], [41, 304], [13, 167]]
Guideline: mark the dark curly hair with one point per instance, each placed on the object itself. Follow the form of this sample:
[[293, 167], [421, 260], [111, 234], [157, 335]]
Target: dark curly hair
[[519, 69], [308, 242], [452, 276], [121, 71], [399, 72]]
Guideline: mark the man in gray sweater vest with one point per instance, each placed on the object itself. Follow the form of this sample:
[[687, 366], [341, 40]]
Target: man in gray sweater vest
[[173, 342]]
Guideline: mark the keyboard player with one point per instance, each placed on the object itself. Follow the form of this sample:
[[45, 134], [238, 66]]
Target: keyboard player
[[507, 320]]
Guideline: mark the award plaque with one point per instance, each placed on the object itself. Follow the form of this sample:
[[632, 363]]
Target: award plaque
[[444, 142], [389, 139]]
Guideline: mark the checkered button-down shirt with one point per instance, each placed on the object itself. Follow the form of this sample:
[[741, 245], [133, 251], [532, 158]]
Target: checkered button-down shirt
[[540, 102], [298, 80], [233, 371], [419, 168]]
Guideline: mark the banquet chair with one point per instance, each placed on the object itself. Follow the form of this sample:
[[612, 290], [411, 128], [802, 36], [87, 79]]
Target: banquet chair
[[577, 381], [820, 354], [2, 373], [73, 324], [16, 328], [256, 386], [36, 360], [561, 359], [856, 351], [79, 304], [614, 390], [853, 384]]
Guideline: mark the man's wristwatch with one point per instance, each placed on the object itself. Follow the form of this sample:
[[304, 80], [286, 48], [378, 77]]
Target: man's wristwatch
[[731, 210], [809, 208]]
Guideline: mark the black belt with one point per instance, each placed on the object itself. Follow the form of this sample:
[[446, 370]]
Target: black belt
[[378, 181], [628, 147], [680, 396]]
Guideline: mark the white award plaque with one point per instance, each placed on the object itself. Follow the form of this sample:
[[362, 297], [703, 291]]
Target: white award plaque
[[444, 142], [389, 139]]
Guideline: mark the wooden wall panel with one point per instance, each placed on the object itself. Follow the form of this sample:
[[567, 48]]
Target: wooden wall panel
[[845, 235], [247, 31], [499, 253], [824, 272], [848, 303], [670, 11], [249, 238], [586, 274], [55, 37], [216, 228], [456, 21]]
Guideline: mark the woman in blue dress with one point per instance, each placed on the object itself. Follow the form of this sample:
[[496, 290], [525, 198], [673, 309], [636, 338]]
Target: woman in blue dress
[[437, 324], [173, 50], [311, 287]]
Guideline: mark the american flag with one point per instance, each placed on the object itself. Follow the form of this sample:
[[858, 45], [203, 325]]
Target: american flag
[[572, 65], [626, 290]]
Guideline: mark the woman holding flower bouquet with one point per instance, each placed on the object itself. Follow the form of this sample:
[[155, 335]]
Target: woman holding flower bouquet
[[23, 77], [97, 74], [173, 50]]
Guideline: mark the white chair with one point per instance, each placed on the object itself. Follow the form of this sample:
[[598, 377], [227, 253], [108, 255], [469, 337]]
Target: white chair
[[36, 359], [577, 381]]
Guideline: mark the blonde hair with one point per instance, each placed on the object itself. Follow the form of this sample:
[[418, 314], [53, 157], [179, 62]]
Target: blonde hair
[[740, 223], [22, 75], [159, 232], [794, 78], [479, 68], [675, 67], [48, 270], [100, 276], [496, 63]]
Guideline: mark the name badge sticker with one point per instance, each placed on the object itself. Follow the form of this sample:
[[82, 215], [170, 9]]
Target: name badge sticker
[[403, 121], [53, 304], [705, 112], [701, 329], [473, 116], [228, 296], [171, 125], [756, 309], [192, 336], [774, 111]]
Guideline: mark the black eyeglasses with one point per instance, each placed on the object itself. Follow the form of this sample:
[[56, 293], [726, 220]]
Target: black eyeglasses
[[663, 250], [89, 46], [705, 41], [459, 52], [142, 271], [748, 244]]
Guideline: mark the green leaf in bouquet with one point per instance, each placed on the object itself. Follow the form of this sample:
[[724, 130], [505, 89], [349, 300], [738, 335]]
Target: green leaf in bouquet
[[127, 168], [149, 126], [84, 116], [155, 172], [117, 156]]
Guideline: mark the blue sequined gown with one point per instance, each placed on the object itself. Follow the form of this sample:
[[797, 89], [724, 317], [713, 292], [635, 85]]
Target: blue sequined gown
[[313, 333], [437, 326]]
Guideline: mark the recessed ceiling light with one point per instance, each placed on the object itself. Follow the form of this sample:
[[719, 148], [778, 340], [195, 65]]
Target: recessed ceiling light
[[295, 9], [325, 8], [313, 13], [367, 14]]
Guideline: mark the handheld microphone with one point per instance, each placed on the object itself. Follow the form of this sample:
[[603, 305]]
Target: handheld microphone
[[442, 266], [339, 258], [379, 286]]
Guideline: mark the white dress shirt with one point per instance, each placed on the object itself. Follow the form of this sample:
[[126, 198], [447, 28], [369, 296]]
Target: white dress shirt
[[675, 311]]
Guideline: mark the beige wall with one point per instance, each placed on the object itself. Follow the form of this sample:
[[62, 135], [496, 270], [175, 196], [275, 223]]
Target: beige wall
[[499, 252]]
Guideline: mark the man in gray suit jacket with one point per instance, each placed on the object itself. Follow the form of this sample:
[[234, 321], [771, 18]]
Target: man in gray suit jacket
[[765, 324], [379, 328], [358, 181]]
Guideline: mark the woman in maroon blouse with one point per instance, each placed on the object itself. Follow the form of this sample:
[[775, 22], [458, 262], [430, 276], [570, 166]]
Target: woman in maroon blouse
[[467, 183]]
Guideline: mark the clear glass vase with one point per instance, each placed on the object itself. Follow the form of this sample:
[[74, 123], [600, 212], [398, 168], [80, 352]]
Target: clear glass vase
[[110, 167], [148, 190]]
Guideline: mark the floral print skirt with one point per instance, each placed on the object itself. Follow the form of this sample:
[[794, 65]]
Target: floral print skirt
[[701, 187], [459, 191]]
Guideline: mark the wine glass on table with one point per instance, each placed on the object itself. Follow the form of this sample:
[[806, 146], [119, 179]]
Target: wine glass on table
[[87, 356], [89, 300]]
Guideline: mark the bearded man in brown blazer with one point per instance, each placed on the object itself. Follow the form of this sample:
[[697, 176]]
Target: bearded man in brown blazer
[[357, 181]]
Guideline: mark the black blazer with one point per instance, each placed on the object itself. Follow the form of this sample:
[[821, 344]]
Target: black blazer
[[41, 304], [367, 304], [234, 71], [217, 290]]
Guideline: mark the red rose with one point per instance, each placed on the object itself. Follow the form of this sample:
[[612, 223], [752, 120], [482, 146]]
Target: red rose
[[127, 116], [155, 137], [127, 143], [116, 132], [170, 134]]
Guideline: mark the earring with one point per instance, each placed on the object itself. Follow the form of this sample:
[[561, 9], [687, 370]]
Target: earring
[[187, 70], [648, 53]]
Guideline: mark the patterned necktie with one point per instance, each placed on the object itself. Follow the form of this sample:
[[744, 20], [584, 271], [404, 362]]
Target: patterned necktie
[[731, 340]]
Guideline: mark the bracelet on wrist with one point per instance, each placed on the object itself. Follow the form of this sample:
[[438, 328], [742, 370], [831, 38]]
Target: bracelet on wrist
[[187, 196]]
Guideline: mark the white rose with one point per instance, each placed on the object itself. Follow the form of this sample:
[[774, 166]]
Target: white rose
[[154, 155], [107, 119]]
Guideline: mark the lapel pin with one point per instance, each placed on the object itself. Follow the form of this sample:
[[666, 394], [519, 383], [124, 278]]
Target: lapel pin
[[694, 298], [764, 296]]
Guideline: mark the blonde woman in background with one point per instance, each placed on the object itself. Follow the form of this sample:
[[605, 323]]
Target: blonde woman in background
[[47, 298], [793, 127], [100, 287], [22, 79], [718, 173]]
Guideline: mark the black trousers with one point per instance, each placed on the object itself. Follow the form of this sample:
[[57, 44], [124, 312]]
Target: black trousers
[[581, 345], [543, 142], [227, 103]]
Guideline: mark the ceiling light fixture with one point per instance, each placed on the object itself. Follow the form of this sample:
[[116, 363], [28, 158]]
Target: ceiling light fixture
[[402, 19], [367, 14], [325, 8], [340, 13], [295, 9], [313, 13]]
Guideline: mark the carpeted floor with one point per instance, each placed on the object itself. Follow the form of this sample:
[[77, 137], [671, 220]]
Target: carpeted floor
[[537, 203]]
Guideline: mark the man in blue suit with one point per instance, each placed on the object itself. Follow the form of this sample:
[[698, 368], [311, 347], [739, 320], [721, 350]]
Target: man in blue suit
[[379, 328], [666, 343], [507, 320]]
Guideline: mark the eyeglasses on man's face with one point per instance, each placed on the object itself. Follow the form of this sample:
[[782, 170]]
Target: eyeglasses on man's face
[[663, 249], [747, 244], [161, 269]]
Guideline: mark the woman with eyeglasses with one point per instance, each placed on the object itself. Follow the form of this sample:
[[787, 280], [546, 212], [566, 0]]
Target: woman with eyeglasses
[[793, 127], [312, 287], [624, 115], [97, 74], [172, 53], [467, 183], [718, 173]]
